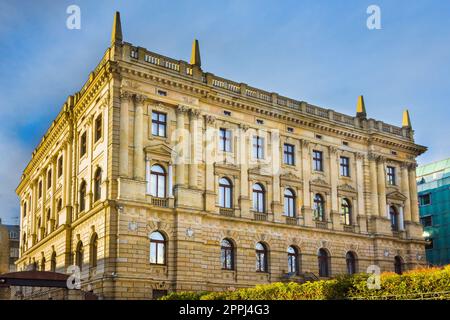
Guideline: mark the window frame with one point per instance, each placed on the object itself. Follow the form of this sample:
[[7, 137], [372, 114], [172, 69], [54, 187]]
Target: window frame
[[344, 165], [155, 179], [289, 201], [60, 166], [289, 154], [227, 255], [394, 217], [346, 212], [319, 207], [159, 245], [98, 128], [260, 198], [225, 140], [391, 175], [261, 258], [324, 263], [82, 196], [158, 124], [98, 185], [223, 189], [293, 266], [350, 261], [258, 148], [318, 160], [83, 144]]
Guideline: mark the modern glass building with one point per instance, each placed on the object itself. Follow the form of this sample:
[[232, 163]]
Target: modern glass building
[[433, 186]]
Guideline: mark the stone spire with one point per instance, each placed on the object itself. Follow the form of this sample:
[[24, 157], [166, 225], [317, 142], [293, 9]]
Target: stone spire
[[195, 54], [406, 122], [116, 34], [361, 108]]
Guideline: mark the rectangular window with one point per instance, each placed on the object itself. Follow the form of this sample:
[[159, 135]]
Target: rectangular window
[[49, 179], [40, 189], [258, 147], [424, 199], [98, 128], [289, 156], [159, 124], [83, 142], [225, 140], [317, 160], [60, 166], [426, 221], [391, 175], [345, 166]]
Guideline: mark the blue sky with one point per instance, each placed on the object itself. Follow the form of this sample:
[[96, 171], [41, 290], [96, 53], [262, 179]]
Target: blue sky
[[317, 51]]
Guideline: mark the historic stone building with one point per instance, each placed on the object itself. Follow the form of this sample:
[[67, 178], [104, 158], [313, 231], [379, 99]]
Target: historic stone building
[[158, 176]]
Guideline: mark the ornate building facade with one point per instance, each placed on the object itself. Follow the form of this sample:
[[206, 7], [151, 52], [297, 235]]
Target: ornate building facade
[[157, 176]]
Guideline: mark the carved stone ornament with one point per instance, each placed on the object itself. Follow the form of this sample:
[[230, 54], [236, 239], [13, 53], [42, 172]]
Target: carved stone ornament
[[181, 109], [210, 119]]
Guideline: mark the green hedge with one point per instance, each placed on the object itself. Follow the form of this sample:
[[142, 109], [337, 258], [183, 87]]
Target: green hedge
[[431, 283]]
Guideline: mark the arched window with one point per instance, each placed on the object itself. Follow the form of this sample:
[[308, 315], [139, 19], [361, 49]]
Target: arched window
[[350, 259], [82, 199], [324, 263], [393, 213], [98, 184], [261, 257], [79, 255], [157, 248], [93, 250], [289, 203], [225, 193], [227, 254], [157, 181], [259, 198], [319, 207], [293, 263], [346, 212], [398, 265], [53, 262]]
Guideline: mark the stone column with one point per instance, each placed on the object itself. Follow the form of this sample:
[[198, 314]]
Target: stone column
[[139, 171], [277, 208], [244, 199], [170, 182], [193, 163], [373, 184], [381, 186], [334, 172], [413, 193], [306, 175], [125, 98], [210, 157], [405, 191], [180, 146], [51, 223], [401, 219], [360, 189], [147, 174]]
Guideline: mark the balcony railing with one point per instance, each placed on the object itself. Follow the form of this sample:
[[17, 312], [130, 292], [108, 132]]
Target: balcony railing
[[321, 225], [229, 212], [259, 216], [160, 202], [348, 228], [291, 220]]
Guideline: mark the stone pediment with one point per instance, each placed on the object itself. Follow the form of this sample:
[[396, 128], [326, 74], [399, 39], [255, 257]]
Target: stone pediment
[[346, 187], [260, 170], [290, 176], [396, 195], [159, 149], [320, 182]]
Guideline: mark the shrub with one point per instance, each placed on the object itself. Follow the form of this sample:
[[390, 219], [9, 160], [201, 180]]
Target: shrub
[[421, 283]]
